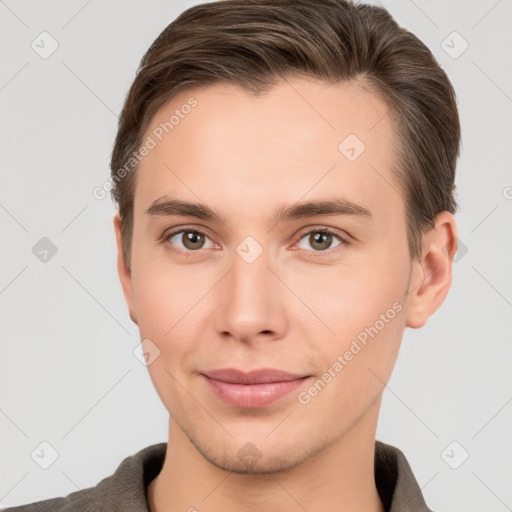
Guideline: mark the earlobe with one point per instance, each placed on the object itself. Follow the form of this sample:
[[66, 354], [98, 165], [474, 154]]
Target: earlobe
[[432, 274], [124, 271]]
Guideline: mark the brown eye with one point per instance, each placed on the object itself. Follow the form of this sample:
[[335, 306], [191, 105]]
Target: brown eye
[[187, 240], [192, 240], [321, 240]]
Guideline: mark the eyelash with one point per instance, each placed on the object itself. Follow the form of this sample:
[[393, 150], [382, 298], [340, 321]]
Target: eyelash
[[169, 234]]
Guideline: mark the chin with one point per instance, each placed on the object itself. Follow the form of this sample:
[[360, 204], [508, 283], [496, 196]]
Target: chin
[[260, 454]]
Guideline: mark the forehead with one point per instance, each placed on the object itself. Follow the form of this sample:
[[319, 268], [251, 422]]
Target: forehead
[[233, 151]]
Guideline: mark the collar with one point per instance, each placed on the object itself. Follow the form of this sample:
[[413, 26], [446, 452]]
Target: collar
[[395, 481], [126, 488]]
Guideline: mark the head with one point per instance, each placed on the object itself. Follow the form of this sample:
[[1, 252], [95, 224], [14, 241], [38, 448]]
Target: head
[[248, 108]]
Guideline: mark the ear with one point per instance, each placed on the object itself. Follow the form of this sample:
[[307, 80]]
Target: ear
[[123, 269], [432, 275]]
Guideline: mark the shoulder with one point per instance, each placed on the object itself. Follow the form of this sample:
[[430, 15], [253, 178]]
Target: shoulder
[[123, 490], [88, 500]]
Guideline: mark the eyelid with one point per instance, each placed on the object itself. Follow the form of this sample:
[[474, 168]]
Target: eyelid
[[326, 229]]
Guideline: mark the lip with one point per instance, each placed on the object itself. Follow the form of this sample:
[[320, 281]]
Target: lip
[[254, 389], [260, 376]]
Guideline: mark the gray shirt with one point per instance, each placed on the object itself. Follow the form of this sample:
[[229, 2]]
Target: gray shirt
[[125, 490]]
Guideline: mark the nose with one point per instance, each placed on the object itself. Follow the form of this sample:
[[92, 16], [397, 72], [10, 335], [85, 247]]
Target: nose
[[250, 301]]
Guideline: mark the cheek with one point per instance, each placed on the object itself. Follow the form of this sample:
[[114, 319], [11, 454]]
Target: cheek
[[169, 307], [162, 309], [163, 292], [361, 314], [343, 300], [355, 364]]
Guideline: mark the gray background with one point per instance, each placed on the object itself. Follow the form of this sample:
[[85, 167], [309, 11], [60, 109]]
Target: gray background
[[68, 374]]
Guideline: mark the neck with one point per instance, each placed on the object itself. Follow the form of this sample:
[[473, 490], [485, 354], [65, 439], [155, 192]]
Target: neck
[[341, 477]]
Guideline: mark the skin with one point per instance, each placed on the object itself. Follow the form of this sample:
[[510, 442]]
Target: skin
[[294, 308]]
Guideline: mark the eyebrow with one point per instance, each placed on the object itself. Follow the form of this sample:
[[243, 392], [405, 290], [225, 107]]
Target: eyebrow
[[335, 206]]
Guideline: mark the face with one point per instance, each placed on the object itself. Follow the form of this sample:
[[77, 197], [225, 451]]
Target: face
[[320, 293]]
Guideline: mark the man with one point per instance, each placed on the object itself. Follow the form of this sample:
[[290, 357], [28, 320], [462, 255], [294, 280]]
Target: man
[[285, 176]]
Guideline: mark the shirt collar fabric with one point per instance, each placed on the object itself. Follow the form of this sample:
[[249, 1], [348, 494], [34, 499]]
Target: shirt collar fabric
[[126, 489]]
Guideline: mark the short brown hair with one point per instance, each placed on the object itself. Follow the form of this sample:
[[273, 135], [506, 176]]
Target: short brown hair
[[253, 44]]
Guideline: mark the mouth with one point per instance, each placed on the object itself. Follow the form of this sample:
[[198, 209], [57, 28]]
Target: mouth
[[255, 389]]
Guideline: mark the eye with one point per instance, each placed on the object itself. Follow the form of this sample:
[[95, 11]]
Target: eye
[[321, 240], [187, 240]]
